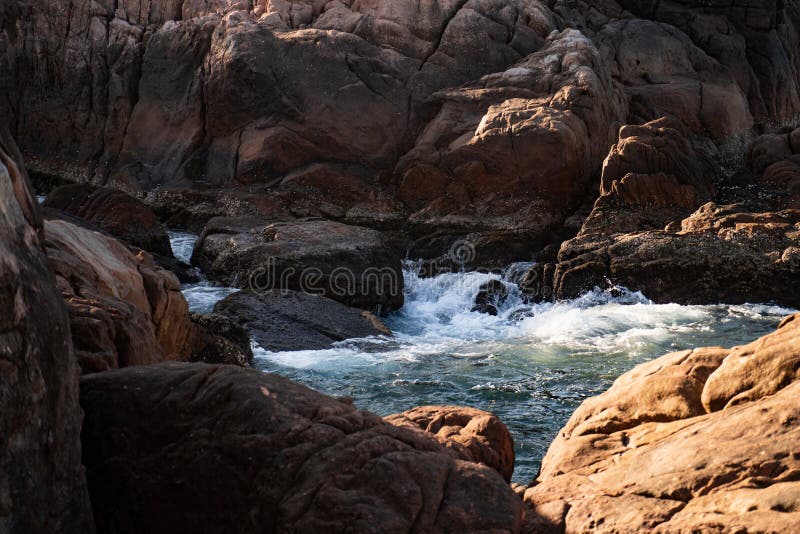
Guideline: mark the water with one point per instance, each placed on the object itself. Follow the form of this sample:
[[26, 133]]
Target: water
[[532, 365], [203, 295]]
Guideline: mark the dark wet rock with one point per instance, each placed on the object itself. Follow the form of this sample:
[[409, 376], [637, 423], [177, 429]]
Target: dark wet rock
[[490, 295], [121, 215], [221, 340], [42, 486], [239, 450], [349, 264], [281, 320]]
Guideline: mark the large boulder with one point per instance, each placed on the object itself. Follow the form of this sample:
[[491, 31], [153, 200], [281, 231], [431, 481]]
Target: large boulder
[[243, 451], [700, 440], [42, 487], [470, 434], [350, 264], [121, 215], [284, 320]]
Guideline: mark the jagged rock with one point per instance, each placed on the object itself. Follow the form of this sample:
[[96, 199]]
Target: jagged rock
[[515, 150], [349, 264], [718, 254], [42, 487], [654, 175], [243, 451], [472, 435], [121, 215], [220, 340], [490, 296], [283, 320], [701, 440]]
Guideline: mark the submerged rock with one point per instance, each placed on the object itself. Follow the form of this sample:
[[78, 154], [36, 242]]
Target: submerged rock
[[283, 320], [243, 451], [42, 485], [349, 264], [698, 440]]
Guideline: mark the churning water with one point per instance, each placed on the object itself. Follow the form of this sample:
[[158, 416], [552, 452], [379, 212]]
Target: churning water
[[532, 364]]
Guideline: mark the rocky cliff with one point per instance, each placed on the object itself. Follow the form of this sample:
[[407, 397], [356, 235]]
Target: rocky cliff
[[445, 117]]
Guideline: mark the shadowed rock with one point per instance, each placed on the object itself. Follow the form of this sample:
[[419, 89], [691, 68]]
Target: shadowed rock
[[243, 451]]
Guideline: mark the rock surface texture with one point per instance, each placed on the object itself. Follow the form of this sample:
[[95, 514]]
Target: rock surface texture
[[472, 435], [42, 487], [118, 213], [700, 440], [124, 309], [243, 451], [440, 119], [349, 264], [281, 320]]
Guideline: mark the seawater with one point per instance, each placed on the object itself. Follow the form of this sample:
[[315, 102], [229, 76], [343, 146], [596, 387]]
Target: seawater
[[531, 365]]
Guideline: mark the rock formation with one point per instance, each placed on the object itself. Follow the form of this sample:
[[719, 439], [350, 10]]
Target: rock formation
[[284, 320], [43, 487], [243, 451], [118, 213], [349, 264], [470, 434], [648, 232], [700, 440], [438, 119], [125, 310]]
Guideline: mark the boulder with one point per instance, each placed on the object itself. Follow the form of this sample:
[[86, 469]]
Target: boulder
[[349, 264], [470, 434], [701, 440], [284, 320], [121, 215], [43, 486], [125, 310], [243, 451]]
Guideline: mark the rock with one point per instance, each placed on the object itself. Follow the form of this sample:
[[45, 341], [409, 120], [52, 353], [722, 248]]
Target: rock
[[43, 487], [694, 441], [472, 435], [184, 271], [283, 320], [718, 254], [655, 174], [124, 310], [349, 264], [515, 150], [490, 296], [220, 340], [275, 455], [121, 215]]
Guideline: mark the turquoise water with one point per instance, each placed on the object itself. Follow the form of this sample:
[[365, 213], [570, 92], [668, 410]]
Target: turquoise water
[[532, 365]]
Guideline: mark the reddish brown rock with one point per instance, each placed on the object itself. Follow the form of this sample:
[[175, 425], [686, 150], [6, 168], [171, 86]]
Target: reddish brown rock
[[470, 434], [701, 440], [42, 486], [124, 309], [243, 451], [121, 215]]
